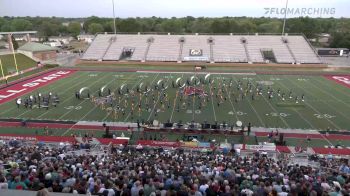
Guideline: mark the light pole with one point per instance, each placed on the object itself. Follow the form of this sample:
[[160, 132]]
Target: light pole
[[115, 28], [285, 17]]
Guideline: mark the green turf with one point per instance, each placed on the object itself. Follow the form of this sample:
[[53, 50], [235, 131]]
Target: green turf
[[23, 63], [327, 104]]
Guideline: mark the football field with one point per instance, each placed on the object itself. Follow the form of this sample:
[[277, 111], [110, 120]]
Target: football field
[[276, 101]]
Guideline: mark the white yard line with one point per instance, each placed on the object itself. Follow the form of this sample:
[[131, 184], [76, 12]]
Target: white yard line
[[71, 97], [329, 142], [50, 90], [330, 86], [35, 90], [137, 83], [63, 115], [335, 98], [172, 111], [80, 104], [314, 109], [229, 98], [155, 105], [141, 95], [251, 106], [203, 73], [267, 101], [212, 103], [300, 115]]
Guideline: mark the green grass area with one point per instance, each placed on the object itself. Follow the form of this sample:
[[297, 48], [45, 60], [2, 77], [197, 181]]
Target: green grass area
[[311, 143], [327, 104], [23, 63], [188, 67]]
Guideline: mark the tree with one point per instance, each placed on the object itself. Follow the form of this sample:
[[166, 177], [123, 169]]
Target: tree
[[246, 26], [74, 28], [308, 26], [14, 43], [95, 28], [340, 40], [91, 20], [201, 25], [6, 27], [2, 22], [224, 25], [172, 25], [21, 25], [47, 29], [129, 25], [270, 27]]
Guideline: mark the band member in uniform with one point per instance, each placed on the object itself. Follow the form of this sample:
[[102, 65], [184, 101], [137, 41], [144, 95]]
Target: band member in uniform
[[18, 102]]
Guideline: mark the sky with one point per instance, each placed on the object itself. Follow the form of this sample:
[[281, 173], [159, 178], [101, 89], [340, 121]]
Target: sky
[[174, 8]]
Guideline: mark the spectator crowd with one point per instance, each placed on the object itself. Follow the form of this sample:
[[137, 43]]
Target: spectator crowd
[[129, 171]]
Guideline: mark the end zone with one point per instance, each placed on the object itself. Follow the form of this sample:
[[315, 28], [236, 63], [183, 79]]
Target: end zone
[[340, 79], [19, 89]]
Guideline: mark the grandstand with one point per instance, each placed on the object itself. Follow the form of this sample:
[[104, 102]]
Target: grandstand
[[288, 49]]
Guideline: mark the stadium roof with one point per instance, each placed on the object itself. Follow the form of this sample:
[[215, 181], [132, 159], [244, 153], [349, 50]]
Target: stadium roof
[[36, 47]]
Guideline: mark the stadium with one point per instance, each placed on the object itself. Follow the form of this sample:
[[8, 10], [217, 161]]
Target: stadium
[[173, 113]]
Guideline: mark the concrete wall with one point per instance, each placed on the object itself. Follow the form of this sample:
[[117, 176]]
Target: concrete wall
[[48, 55], [27, 53]]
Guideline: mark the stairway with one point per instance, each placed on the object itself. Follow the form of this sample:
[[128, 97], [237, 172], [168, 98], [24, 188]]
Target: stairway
[[179, 59], [149, 43], [291, 52], [246, 52], [211, 58], [111, 41]]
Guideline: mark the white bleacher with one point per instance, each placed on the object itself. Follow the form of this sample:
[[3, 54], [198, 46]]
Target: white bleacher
[[274, 43], [164, 48], [122, 41], [302, 50], [228, 49], [98, 47], [254, 48], [225, 48], [197, 42], [140, 44]]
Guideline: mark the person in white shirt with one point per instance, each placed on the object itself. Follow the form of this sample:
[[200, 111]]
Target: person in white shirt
[[3, 183], [283, 192]]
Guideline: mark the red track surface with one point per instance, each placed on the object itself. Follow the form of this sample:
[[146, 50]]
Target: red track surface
[[340, 79], [311, 136], [332, 151], [60, 126], [283, 149]]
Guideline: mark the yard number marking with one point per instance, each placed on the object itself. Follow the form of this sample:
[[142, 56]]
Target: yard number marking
[[196, 111], [322, 116], [303, 79], [239, 113], [73, 107], [275, 79], [275, 114]]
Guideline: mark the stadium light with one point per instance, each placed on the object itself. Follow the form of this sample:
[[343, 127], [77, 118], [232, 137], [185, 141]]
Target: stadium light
[[115, 29], [285, 17]]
